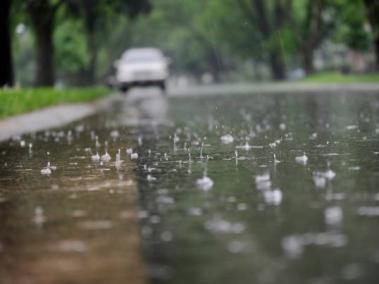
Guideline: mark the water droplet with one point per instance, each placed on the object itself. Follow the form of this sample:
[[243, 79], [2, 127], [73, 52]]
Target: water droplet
[[303, 159], [333, 215], [204, 183], [106, 157], [227, 139]]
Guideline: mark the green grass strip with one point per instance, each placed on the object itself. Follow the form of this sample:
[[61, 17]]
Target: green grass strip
[[17, 101], [336, 77]]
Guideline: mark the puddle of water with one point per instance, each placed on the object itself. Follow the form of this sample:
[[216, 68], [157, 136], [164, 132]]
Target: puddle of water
[[242, 189], [64, 215], [292, 197]]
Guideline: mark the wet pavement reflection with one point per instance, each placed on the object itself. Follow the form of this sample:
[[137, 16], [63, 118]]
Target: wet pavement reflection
[[217, 189]]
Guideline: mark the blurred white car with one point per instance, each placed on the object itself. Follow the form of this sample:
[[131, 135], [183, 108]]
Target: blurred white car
[[142, 67]]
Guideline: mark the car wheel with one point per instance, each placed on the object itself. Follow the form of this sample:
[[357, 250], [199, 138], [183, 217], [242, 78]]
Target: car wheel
[[162, 86], [124, 88]]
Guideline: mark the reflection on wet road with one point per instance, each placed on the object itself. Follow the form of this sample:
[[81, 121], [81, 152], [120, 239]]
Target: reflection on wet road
[[248, 188]]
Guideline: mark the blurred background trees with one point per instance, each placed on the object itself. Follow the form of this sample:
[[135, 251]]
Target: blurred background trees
[[75, 42]]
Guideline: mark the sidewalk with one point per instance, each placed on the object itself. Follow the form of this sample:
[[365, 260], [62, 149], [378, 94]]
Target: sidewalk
[[50, 117]]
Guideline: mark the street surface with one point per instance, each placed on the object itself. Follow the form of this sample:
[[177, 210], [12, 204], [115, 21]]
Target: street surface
[[222, 188]]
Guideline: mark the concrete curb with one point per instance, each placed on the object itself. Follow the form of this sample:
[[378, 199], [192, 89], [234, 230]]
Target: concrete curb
[[50, 117], [277, 88]]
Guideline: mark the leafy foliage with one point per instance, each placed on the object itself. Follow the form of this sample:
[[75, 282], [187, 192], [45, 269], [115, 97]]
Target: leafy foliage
[[200, 36]]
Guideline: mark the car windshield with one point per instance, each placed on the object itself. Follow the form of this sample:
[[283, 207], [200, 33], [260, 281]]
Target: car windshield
[[142, 55]]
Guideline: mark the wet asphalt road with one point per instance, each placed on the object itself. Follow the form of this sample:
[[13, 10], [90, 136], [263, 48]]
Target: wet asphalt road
[[249, 188]]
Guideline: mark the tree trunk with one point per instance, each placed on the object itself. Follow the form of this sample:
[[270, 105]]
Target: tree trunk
[[90, 71], [276, 61], [308, 60], [376, 47], [45, 56], [42, 18], [6, 70], [90, 23], [277, 65], [372, 8], [215, 65]]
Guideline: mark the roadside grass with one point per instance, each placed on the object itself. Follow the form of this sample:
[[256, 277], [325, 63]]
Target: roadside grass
[[336, 77], [17, 101]]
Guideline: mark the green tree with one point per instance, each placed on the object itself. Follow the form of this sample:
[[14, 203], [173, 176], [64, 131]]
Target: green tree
[[185, 31], [269, 18], [71, 55], [41, 15], [351, 26], [97, 16], [312, 21]]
